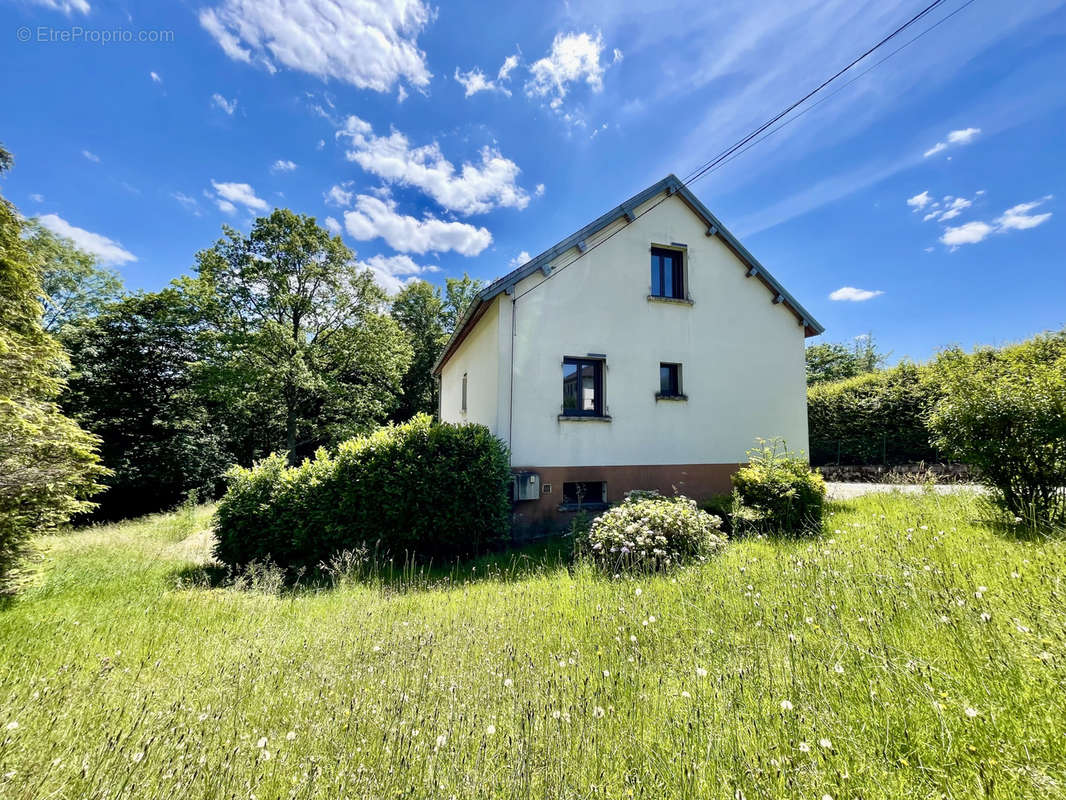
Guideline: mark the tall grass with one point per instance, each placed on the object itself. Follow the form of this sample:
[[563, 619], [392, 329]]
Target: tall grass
[[909, 652]]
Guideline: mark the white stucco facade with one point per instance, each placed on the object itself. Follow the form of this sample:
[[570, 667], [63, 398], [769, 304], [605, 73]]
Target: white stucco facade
[[742, 354]]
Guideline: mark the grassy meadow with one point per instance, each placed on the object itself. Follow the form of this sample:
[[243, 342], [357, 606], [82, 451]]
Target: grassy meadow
[[909, 652]]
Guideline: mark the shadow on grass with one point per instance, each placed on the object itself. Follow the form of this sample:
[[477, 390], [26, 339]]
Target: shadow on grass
[[390, 575]]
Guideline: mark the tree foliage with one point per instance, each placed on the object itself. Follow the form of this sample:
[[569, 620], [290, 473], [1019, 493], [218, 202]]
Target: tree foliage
[[458, 295], [1004, 412], [134, 383], [419, 311], [302, 338], [74, 284], [48, 465], [832, 361]]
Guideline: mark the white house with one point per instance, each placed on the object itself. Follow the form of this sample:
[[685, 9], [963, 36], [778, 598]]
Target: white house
[[649, 350]]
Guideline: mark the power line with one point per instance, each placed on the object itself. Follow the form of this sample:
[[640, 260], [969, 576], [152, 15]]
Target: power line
[[747, 141]]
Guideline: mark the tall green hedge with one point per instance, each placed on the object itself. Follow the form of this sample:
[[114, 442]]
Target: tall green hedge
[[432, 490], [879, 418]]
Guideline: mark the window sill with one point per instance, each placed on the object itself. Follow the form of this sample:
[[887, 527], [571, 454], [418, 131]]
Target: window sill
[[582, 418], [677, 301], [583, 507], [671, 398]]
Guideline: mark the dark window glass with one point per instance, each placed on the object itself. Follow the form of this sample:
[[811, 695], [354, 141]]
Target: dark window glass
[[667, 273], [584, 493], [670, 380], [583, 387], [464, 391]]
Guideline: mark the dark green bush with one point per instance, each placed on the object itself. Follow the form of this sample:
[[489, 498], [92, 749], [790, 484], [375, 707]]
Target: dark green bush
[[777, 492], [431, 490], [1004, 413], [650, 533], [721, 506], [879, 418]]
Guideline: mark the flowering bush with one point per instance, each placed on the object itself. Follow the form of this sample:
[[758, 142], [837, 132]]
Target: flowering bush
[[648, 533]]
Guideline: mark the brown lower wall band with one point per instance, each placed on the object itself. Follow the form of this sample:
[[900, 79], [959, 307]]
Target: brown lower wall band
[[697, 481]]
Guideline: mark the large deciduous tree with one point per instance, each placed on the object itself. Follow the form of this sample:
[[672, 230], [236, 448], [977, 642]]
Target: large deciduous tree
[[419, 311], [135, 384], [74, 284], [832, 361], [48, 465], [306, 349]]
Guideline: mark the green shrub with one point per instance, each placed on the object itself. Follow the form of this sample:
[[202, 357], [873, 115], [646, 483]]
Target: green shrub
[[777, 492], [648, 533], [1004, 413], [721, 506], [879, 418], [432, 490]]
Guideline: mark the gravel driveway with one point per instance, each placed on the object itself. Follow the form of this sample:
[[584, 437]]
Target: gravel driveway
[[845, 491]]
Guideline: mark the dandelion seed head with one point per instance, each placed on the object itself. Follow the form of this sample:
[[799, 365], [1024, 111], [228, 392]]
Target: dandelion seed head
[[971, 712], [804, 747], [490, 730], [786, 705], [598, 712], [826, 743]]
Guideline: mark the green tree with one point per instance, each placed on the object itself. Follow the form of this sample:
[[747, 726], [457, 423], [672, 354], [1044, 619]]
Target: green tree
[[74, 284], [134, 383], [1004, 413], [302, 336], [48, 465], [458, 295], [419, 311], [832, 361]]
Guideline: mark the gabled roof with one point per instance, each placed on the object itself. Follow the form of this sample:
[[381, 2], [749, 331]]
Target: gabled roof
[[670, 184]]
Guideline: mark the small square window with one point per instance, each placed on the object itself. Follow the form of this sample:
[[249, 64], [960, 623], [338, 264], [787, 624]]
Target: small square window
[[669, 380], [584, 494], [667, 273]]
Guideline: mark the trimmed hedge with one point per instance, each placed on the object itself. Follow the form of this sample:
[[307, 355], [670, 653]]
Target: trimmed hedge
[[879, 418], [433, 490]]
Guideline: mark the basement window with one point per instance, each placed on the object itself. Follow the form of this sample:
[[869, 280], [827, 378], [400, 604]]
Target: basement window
[[667, 273], [584, 494]]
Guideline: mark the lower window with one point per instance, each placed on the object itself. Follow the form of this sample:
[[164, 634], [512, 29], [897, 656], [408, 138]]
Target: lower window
[[584, 494]]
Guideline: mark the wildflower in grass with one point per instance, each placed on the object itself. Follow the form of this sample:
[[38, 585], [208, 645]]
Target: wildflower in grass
[[824, 742], [1015, 575], [701, 672], [971, 712], [1045, 656], [686, 695], [786, 705], [985, 617], [202, 717], [508, 683], [137, 758], [442, 740], [264, 754], [839, 669], [606, 673], [490, 730], [598, 712], [556, 714], [638, 591], [804, 747], [12, 726], [261, 743], [827, 797], [290, 735]]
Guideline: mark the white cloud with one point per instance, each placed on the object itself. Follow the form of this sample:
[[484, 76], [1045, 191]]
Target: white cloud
[[959, 137], [949, 208], [475, 189], [394, 272], [91, 156], [1018, 217], [401, 94], [539, 191], [374, 218], [574, 57], [230, 195], [66, 6], [371, 44], [108, 251], [919, 201], [37, 198], [155, 77], [338, 196], [333, 226], [283, 166], [851, 294], [229, 106], [969, 233], [520, 259], [188, 203], [474, 80]]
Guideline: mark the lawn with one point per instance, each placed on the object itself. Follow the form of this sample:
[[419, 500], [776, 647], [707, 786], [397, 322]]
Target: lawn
[[909, 652]]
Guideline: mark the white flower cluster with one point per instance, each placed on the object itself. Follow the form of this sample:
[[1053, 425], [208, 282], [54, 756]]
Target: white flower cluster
[[652, 533]]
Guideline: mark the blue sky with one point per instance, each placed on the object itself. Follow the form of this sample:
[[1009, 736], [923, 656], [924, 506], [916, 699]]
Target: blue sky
[[924, 202]]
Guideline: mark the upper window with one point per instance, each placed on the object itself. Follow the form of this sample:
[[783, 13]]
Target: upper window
[[583, 387], [669, 380], [667, 273]]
